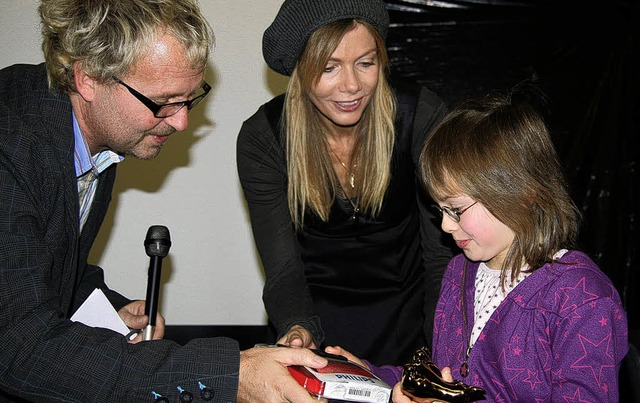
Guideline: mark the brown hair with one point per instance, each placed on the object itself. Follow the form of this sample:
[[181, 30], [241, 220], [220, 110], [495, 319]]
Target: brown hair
[[497, 150]]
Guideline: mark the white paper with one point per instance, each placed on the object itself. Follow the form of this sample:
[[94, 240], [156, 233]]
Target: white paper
[[97, 311]]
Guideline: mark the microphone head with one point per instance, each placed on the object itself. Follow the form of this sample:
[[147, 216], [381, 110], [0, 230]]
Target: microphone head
[[158, 241]]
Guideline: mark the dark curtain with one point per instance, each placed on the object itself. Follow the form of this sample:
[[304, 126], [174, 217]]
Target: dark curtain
[[583, 56]]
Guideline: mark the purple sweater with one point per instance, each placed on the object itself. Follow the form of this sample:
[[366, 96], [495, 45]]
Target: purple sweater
[[560, 335]]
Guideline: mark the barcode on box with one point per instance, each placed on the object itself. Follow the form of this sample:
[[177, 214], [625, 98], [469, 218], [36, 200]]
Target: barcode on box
[[342, 380], [360, 392]]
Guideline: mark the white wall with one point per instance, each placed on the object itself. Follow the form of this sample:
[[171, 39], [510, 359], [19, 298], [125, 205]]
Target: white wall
[[212, 274]]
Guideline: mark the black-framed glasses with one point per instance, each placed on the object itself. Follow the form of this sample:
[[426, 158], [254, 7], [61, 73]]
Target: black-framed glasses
[[170, 109], [453, 213]]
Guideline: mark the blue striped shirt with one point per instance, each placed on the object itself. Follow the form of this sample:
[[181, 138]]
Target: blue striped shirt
[[88, 168]]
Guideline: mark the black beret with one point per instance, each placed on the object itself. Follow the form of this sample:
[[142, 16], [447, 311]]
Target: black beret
[[285, 38]]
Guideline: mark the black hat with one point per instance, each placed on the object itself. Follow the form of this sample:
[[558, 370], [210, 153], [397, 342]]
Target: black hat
[[285, 38]]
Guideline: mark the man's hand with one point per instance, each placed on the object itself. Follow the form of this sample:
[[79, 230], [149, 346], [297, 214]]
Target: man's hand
[[264, 376], [297, 336], [133, 316]]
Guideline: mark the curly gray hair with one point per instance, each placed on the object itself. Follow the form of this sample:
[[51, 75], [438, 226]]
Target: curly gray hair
[[108, 37]]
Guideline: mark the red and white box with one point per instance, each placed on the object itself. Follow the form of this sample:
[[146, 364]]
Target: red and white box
[[342, 380]]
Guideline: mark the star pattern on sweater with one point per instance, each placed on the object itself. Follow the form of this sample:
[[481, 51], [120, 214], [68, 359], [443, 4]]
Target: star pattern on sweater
[[575, 397], [532, 379], [595, 348], [455, 353], [546, 347], [557, 378], [500, 387], [618, 315], [510, 372], [575, 296]]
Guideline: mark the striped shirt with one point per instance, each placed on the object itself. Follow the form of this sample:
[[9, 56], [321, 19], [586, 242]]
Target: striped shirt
[[88, 168]]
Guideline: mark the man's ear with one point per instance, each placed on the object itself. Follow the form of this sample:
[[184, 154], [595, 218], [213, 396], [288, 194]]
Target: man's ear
[[85, 85]]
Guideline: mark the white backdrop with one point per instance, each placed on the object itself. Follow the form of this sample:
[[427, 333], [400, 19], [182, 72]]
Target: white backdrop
[[212, 274]]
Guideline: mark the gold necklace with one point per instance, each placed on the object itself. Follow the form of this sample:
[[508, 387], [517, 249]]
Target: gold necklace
[[352, 177], [352, 183]]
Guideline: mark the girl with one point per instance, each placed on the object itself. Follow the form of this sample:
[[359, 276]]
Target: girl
[[520, 314]]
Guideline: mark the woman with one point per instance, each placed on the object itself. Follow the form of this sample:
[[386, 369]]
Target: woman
[[329, 174]]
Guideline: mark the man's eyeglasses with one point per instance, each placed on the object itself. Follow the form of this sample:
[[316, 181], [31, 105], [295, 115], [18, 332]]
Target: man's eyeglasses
[[166, 110], [453, 213]]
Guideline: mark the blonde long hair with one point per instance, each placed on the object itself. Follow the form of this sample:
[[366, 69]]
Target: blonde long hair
[[313, 183]]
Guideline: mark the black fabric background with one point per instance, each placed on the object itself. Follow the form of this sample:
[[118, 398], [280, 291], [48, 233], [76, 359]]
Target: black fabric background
[[583, 55]]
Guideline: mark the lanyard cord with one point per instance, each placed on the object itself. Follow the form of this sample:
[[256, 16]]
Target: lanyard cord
[[464, 368]]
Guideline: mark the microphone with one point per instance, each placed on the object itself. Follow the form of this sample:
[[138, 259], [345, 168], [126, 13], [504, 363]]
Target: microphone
[[156, 244]]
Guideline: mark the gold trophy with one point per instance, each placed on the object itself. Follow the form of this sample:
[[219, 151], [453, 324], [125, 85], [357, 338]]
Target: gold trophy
[[422, 380]]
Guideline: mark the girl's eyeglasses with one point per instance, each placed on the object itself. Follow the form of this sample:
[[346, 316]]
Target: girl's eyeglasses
[[453, 213]]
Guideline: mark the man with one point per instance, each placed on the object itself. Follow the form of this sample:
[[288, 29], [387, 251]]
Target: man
[[120, 77]]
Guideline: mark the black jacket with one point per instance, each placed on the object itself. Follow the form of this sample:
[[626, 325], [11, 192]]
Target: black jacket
[[44, 276], [369, 287]]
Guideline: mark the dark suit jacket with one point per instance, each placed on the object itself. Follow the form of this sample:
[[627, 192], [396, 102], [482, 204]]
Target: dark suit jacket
[[44, 274]]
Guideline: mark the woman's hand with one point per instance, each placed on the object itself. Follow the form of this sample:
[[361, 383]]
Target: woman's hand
[[297, 336], [337, 350]]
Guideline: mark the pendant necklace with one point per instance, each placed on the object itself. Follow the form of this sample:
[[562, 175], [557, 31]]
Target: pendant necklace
[[352, 183], [352, 177], [464, 368]]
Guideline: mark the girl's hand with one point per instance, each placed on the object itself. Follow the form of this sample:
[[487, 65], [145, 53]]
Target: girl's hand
[[399, 397]]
